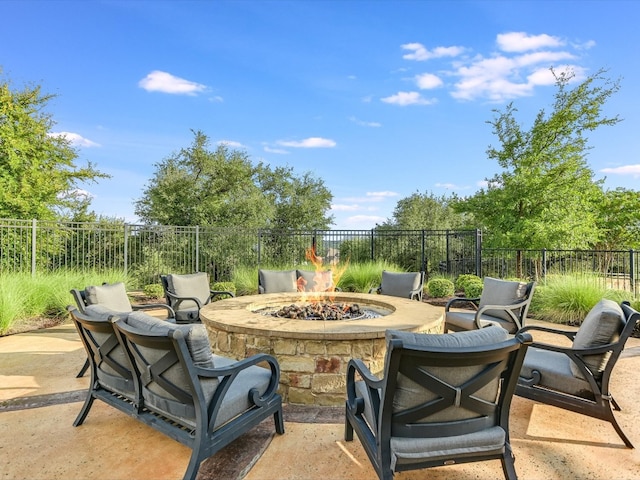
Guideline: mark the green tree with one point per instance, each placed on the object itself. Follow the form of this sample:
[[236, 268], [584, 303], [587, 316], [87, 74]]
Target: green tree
[[223, 188], [425, 211], [546, 196], [619, 220], [38, 174]]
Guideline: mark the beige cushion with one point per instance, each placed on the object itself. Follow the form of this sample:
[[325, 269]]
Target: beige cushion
[[190, 285], [400, 284], [113, 297], [601, 326], [276, 281], [501, 292]]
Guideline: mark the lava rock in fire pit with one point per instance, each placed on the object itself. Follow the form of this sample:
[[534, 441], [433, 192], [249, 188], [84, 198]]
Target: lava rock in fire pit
[[321, 311]]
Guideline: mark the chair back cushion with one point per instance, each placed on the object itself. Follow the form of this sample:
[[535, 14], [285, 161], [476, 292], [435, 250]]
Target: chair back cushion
[[314, 281], [277, 281], [190, 285], [501, 292], [601, 326], [408, 393], [399, 284], [195, 335], [113, 297], [100, 312]]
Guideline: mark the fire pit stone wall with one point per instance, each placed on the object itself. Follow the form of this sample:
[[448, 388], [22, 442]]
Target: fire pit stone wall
[[313, 355]]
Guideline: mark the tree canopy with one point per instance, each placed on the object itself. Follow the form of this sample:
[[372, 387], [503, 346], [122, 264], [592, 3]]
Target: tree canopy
[[38, 174], [425, 211], [546, 195], [222, 187]]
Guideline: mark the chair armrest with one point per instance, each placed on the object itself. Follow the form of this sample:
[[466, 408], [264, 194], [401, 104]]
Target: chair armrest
[[178, 300], [455, 300], [230, 372], [149, 306], [215, 293], [374, 384], [375, 289], [570, 334]]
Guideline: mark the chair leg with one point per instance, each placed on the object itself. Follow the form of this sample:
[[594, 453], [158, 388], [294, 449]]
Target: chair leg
[[621, 434], [278, 420], [85, 409], [194, 464], [84, 369], [348, 428], [508, 464]]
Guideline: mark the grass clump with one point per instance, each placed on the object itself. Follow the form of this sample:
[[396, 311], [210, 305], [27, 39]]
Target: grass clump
[[568, 299], [362, 277]]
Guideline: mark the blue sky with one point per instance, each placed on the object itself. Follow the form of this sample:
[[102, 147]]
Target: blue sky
[[380, 99]]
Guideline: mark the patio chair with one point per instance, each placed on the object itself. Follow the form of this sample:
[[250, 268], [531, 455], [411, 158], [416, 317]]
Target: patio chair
[[187, 294], [277, 281], [401, 284], [315, 281], [576, 378], [111, 373], [114, 298], [502, 302], [202, 400], [444, 399]]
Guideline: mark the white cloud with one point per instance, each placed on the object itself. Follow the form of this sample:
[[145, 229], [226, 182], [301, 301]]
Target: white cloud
[[75, 139], [311, 142], [362, 123], [386, 193], [280, 151], [340, 207], [427, 81], [407, 98], [632, 170], [365, 219], [449, 186], [522, 42], [421, 53], [164, 82]]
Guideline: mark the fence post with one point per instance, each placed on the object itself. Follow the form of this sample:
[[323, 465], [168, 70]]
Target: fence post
[[632, 273], [259, 245], [126, 248], [423, 259], [197, 248], [544, 265], [478, 253], [372, 249], [33, 247]]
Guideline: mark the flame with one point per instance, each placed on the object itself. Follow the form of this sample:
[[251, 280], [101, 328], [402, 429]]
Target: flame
[[324, 280]]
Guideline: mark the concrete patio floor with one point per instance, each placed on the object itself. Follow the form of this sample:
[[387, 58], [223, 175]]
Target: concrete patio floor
[[40, 398]]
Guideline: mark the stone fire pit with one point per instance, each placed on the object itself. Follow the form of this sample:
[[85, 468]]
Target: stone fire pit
[[313, 355]]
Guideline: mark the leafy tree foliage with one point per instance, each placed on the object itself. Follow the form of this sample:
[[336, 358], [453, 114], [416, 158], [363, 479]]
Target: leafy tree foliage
[[198, 186], [38, 174], [425, 211], [546, 196], [619, 220]]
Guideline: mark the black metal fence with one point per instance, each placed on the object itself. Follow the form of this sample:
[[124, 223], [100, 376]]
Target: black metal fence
[[143, 252]]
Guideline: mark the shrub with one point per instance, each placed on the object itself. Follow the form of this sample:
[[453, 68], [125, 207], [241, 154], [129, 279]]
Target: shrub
[[464, 279], [224, 287], [153, 290], [473, 288], [440, 288]]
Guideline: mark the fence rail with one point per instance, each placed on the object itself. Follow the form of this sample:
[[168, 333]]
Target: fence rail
[[143, 252]]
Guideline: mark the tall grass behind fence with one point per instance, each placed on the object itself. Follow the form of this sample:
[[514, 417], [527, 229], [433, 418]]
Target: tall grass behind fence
[[143, 252]]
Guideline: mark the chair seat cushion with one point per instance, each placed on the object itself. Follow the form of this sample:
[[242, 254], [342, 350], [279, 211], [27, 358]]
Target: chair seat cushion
[[555, 372], [459, 320], [414, 450], [113, 296], [400, 284], [601, 326], [501, 292]]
